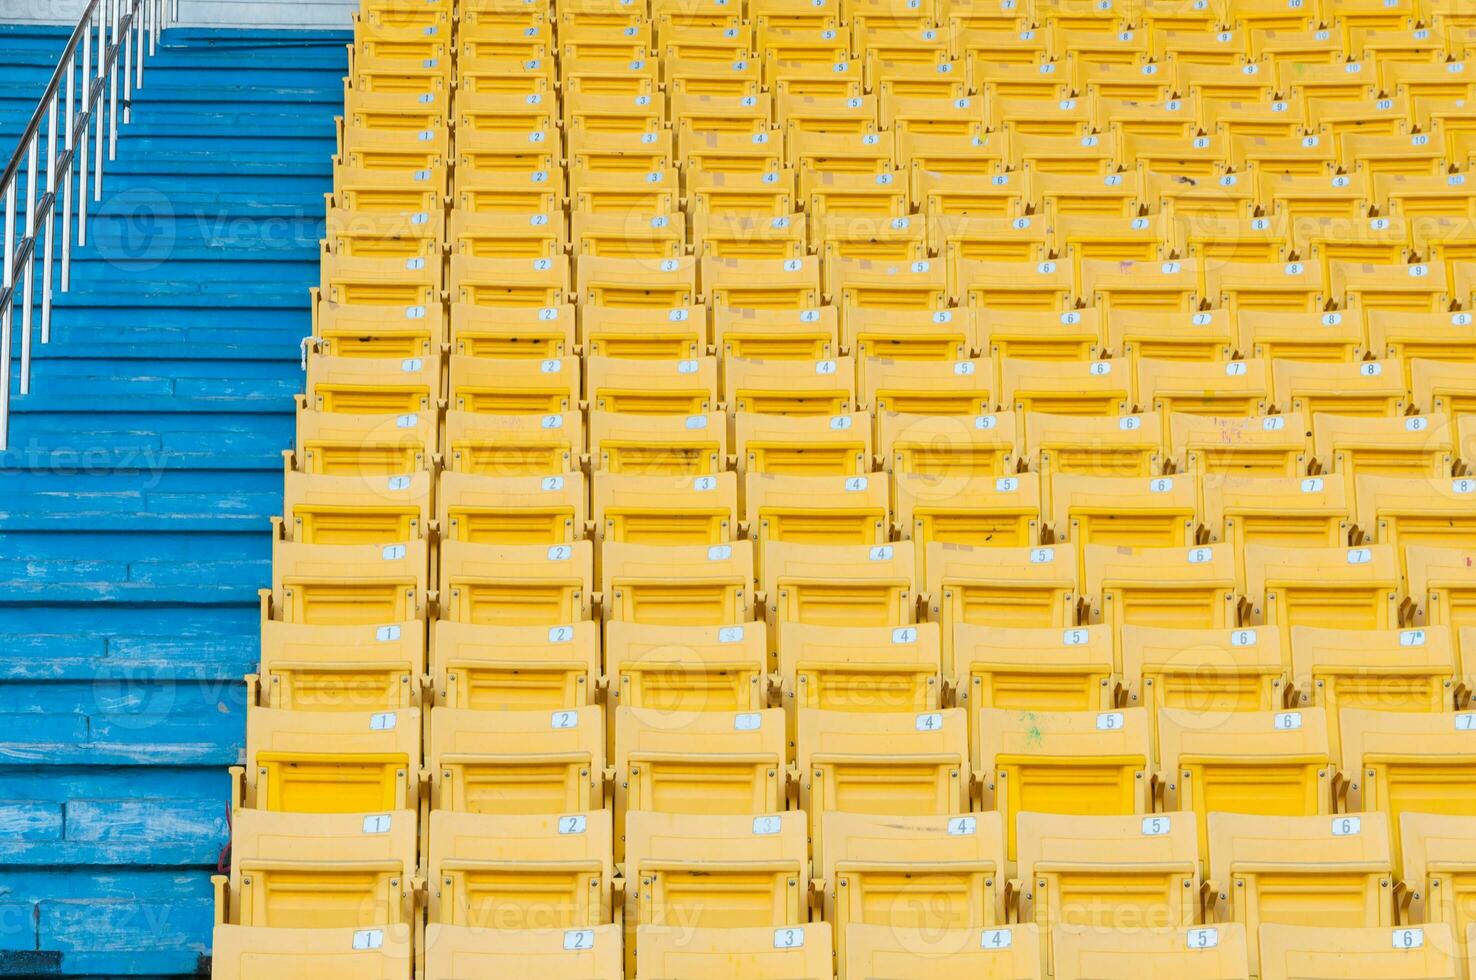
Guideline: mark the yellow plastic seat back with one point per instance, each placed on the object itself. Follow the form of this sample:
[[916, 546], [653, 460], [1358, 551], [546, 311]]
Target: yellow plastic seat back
[[516, 585], [1095, 509], [1209, 672], [803, 335], [341, 668], [918, 387], [840, 585], [771, 387], [818, 510], [353, 445], [1066, 762], [1040, 335], [1234, 389], [517, 761], [997, 953], [1272, 763], [945, 448], [1067, 387], [513, 386], [1260, 447], [1202, 335], [859, 668], [553, 954], [377, 331], [1442, 589], [325, 871], [651, 387], [912, 872], [1417, 952], [515, 871], [347, 585], [514, 445], [330, 762], [1107, 872], [356, 509], [1085, 952], [1329, 871], [514, 668], [695, 445], [1411, 446], [1070, 445], [893, 763], [1177, 588], [1069, 669], [979, 511], [639, 509], [1401, 762], [686, 668], [257, 953], [804, 445], [1334, 588], [678, 585], [512, 509], [758, 953]]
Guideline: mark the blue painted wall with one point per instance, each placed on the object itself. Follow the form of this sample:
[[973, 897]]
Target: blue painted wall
[[135, 498]]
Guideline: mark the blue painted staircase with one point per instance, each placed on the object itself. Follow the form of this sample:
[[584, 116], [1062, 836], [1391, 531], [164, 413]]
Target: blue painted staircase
[[135, 497], [28, 54]]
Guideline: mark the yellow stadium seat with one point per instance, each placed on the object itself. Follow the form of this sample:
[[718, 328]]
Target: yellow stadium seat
[[1444, 387], [686, 668], [1228, 197], [1282, 511], [1179, 588], [653, 445], [514, 668], [1228, 237], [977, 510], [1372, 389], [516, 161], [710, 872], [628, 386], [622, 153], [944, 193], [697, 763], [333, 444], [1106, 872], [1385, 670], [510, 282], [1437, 876], [1104, 240], [665, 509], [1167, 286], [999, 587], [908, 335], [1442, 592], [864, 669], [1117, 194], [839, 585], [402, 194], [1273, 763], [678, 585], [1275, 286], [347, 584], [1220, 449], [761, 284], [758, 953], [534, 332], [1040, 335], [1076, 388], [1409, 446], [375, 331], [927, 156], [1443, 336], [1379, 240], [494, 112], [941, 447], [328, 762], [770, 192], [984, 283], [373, 386], [1012, 952], [369, 234], [1410, 196], [514, 445], [381, 281], [1210, 672], [1333, 588], [1417, 288], [1341, 196], [929, 387], [1377, 116], [1290, 952], [512, 386], [624, 234], [516, 762], [1070, 669], [882, 763], [509, 192], [355, 509], [339, 668], [1221, 390], [1063, 762], [1214, 952], [553, 954], [806, 335], [1097, 507], [1330, 871], [637, 283], [748, 236], [934, 872], [320, 871], [504, 871], [1331, 336], [516, 584], [483, 68], [1203, 335], [259, 953], [772, 387], [493, 235], [1174, 153], [1093, 446], [512, 509], [806, 445], [1430, 511]]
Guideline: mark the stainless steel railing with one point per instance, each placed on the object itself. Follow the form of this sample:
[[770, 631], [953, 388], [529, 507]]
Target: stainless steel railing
[[106, 50]]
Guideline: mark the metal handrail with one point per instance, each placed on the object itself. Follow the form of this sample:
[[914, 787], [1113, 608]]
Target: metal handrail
[[125, 29]]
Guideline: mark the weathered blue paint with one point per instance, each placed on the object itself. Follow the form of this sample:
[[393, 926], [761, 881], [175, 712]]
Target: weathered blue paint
[[135, 499]]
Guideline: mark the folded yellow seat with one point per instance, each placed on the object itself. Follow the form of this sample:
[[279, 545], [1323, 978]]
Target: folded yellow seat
[[333, 762], [658, 444], [516, 762], [1070, 669], [1180, 588], [372, 385], [538, 283], [755, 334], [514, 445], [805, 445], [516, 584], [1212, 672], [339, 668], [336, 444], [343, 330], [941, 449], [1221, 389], [514, 668], [1010, 587], [348, 584], [1329, 336], [665, 509], [678, 585], [1214, 952]]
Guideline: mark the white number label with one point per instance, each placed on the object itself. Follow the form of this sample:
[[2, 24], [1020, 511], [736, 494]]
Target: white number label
[[1287, 721], [563, 719], [792, 938], [1346, 826], [1156, 826], [575, 824], [1109, 721]]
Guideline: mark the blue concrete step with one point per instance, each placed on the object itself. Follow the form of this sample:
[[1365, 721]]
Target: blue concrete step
[[136, 496]]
